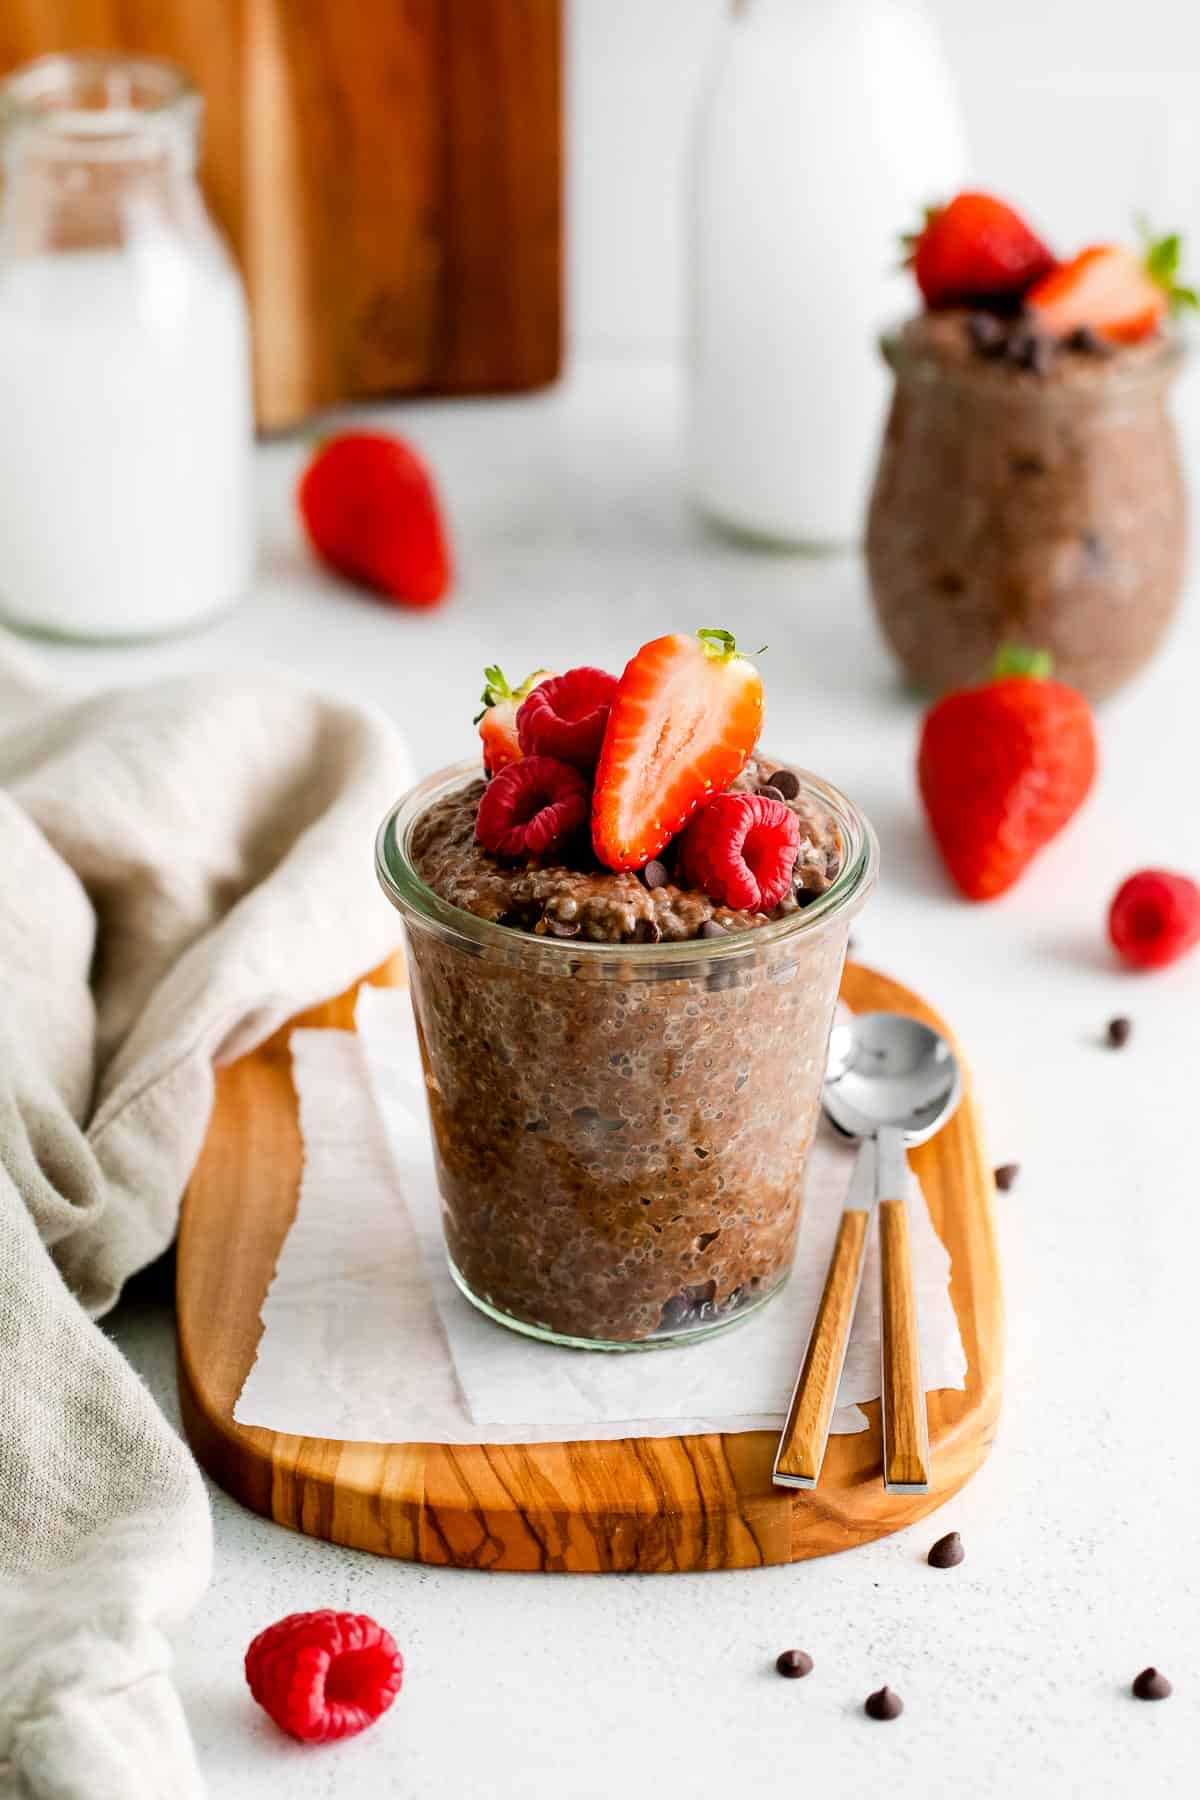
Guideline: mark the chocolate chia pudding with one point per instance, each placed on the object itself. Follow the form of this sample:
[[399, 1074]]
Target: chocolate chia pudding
[[1027, 492], [623, 1075]]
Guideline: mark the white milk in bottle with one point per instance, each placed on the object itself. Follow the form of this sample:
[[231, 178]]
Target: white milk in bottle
[[826, 127], [126, 427]]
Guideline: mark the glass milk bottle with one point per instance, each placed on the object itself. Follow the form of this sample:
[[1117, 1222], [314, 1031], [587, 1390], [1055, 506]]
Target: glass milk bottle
[[126, 426], [825, 128]]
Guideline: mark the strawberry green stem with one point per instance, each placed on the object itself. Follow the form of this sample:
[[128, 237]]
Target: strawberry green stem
[[497, 690], [1015, 659], [720, 645]]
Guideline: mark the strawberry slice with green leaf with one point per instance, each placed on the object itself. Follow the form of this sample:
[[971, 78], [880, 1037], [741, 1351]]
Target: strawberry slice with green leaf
[[498, 721], [1119, 294], [686, 715]]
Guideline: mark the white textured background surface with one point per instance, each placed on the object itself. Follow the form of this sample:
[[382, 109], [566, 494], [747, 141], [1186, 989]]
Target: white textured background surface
[[1080, 1531]]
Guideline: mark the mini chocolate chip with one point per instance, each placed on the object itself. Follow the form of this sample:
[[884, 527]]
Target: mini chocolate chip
[[786, 782], [1151, 1684], [950, 582], [947, 1553], [883, 1705], [655, 874], [1087, 342], [1040, 355], [563, 928], [806, 895], [794, 1664], [673, 1314], [712, 928], [1119, 1032], [1030, 349], [647, 931], [1006, 1175], [1027, 465], [771, 792], [987, 334], [1016, 347]]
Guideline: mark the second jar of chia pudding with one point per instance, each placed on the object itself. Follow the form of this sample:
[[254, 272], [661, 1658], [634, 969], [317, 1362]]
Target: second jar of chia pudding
[[1027, 492], [623, 1074]]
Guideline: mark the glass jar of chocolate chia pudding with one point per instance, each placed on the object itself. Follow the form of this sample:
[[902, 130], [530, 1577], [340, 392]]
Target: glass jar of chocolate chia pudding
[[1026, 493], [620, 1127]]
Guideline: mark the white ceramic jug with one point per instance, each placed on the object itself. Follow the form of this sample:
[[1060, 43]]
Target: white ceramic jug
[[825, 127]]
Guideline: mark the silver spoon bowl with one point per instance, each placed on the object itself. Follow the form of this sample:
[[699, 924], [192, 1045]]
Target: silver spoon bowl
[[889, 1072]]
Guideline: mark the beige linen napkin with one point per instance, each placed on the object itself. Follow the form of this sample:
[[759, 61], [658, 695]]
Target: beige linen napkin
[[182, 867]]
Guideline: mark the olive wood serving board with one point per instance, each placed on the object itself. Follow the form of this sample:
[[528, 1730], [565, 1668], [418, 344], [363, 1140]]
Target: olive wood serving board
[[650, 1504]]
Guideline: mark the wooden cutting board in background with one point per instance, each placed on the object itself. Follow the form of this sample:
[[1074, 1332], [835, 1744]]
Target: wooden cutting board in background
[[388, 171]]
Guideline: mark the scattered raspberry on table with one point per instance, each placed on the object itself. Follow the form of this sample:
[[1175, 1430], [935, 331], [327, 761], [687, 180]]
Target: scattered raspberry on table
[[1154, 918], [324, 1675]]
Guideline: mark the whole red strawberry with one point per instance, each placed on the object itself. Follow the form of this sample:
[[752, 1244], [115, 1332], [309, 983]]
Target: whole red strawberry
[[1001, 769], [324, 1675], [1154, 918], [371, 512], [974, 250]]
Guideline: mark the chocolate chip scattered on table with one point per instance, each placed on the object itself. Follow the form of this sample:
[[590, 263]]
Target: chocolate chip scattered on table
[[947, 1553], [1118, 1033], [1151, 1684], [1006, 1175], [794, 1664], [883, 1704]]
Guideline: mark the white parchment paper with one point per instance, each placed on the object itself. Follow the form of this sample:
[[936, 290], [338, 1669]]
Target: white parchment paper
[[365, 1335]]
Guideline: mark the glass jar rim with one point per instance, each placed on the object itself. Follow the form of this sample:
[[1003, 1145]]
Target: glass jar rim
[[418, 904], [923, 364], [98, 103]]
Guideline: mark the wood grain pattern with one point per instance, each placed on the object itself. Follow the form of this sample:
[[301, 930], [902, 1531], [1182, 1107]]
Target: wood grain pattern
[[905, 1433], [641, 1504], [389, 175], [806, 1433]]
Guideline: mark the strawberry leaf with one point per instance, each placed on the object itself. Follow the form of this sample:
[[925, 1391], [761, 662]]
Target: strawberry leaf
[[495, 692], [1163, 257], [1015, 659], [498, 690], [719, 644], [909, 240]]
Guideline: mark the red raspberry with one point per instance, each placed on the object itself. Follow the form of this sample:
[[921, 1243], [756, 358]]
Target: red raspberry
[[532, 807], [566, 716], [324, 1675], [741, 849], [1154, 918]]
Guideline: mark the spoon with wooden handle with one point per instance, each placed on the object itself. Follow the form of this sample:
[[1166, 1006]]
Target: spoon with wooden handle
[[802, 1443], [896, 1081]]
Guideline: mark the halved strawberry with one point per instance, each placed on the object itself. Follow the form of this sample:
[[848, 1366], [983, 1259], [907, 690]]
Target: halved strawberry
[[1122, 296], [973, 250], [686, 715], [498, 721]]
